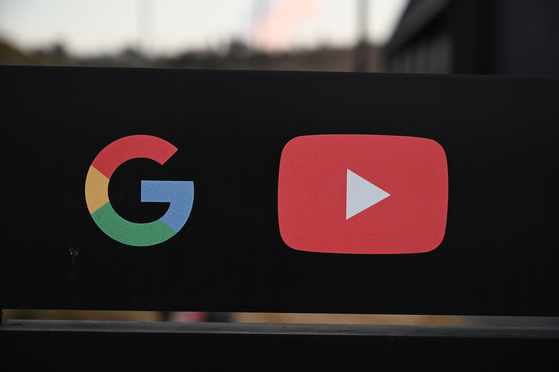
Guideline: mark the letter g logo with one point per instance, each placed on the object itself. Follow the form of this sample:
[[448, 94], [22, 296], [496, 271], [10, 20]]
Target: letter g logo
[[180, 194]]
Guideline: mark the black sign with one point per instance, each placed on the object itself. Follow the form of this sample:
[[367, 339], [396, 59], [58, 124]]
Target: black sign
[[483, 215]]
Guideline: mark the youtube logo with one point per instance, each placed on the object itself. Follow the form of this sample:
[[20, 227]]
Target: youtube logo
[[362, 194]]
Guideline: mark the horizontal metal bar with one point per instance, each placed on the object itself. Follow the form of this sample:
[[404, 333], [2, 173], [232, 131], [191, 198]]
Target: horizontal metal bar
[[278, 329], [165, 346]]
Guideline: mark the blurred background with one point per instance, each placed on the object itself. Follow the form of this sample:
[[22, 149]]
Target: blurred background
[[504, 37], [500, 37], [226, 34]]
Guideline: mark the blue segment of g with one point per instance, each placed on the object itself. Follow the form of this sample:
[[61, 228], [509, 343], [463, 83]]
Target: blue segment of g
[[180, 195]]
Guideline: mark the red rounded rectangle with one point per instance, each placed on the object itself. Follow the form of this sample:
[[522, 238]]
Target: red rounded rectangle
[[362, 194]]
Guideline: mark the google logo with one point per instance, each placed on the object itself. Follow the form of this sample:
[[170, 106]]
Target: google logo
[[180, 194]]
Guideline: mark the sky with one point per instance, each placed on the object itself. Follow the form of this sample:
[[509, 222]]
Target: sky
[[167, 27]]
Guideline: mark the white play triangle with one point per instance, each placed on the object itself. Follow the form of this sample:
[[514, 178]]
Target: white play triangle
[[361, 194]]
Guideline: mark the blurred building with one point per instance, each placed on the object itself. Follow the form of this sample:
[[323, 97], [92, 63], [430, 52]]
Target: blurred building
[[502, 37]]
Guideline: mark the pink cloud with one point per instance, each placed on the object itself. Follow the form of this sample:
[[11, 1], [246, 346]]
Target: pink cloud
[[272, 32]]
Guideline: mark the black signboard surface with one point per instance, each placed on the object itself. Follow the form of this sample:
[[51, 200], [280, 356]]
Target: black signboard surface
[[499, 256]]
